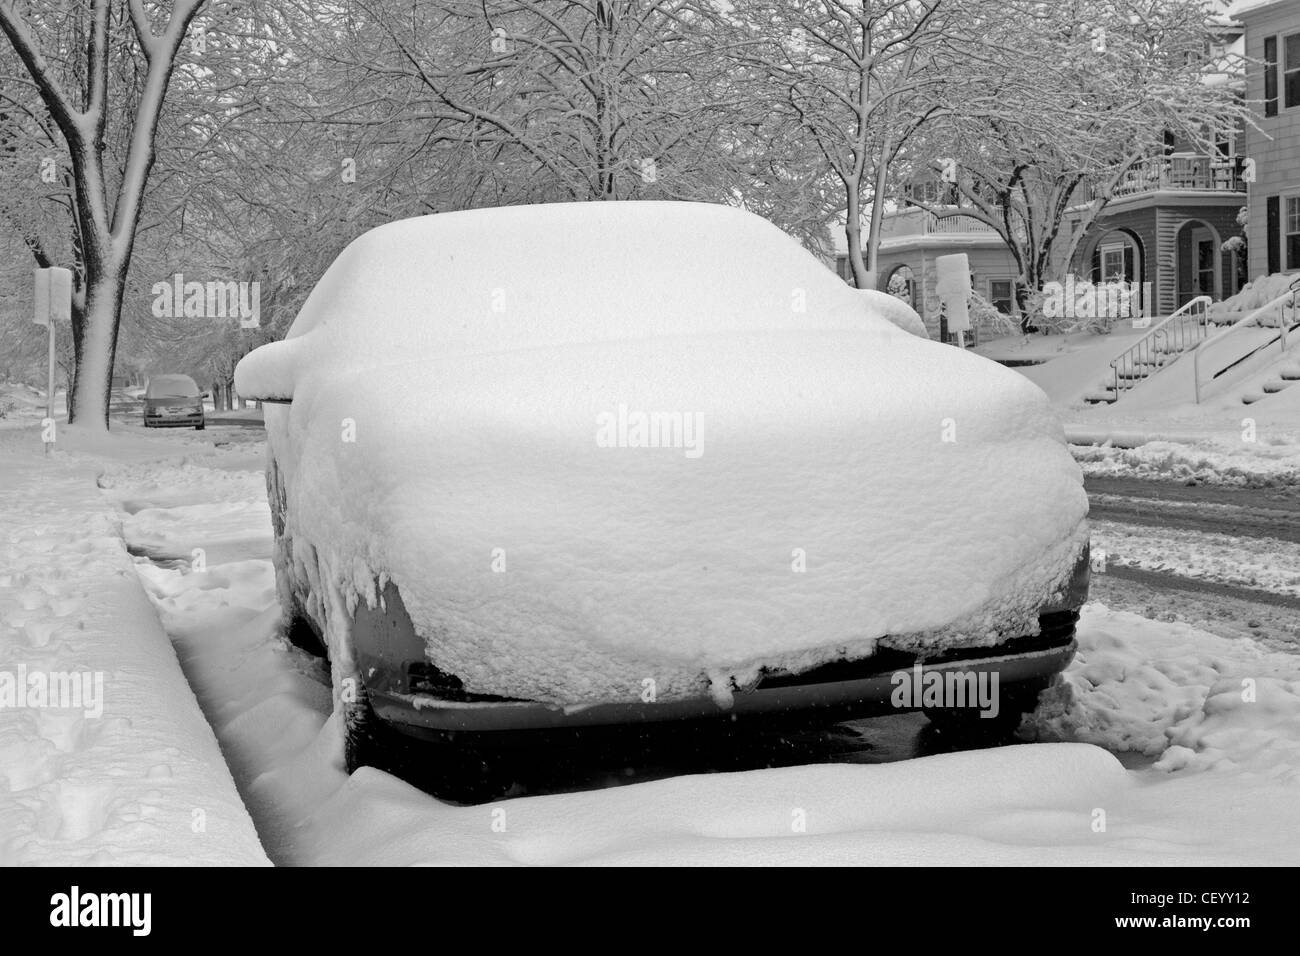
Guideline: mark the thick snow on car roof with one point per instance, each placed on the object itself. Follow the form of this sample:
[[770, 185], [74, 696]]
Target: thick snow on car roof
[[520, 277], [532, 275]]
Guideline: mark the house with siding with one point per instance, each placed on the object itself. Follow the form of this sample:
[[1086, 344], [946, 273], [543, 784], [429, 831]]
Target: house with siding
[[1168, 224], [912, 238], [1273, 82]]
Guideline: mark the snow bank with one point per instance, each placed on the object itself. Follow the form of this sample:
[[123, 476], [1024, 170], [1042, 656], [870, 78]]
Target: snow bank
[[22, 404], [137, 778], [1274, 462], [1193, 699], [476, 435], [1256, 293]]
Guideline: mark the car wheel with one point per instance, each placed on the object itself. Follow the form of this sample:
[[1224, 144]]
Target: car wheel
[[965, 725], [200, 426], [446, 769]]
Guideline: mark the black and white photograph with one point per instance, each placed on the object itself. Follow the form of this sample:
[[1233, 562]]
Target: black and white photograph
[[674, 433]]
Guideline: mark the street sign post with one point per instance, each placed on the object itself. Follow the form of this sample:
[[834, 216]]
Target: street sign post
[[53, 295]]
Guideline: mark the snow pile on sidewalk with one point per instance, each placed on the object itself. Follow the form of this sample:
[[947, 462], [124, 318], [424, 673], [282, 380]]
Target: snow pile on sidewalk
[[21, 404], [104, 756], [1169, 690], [1270, 461]]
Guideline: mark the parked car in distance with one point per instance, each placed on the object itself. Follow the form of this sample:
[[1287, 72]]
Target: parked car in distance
[[171, 401]]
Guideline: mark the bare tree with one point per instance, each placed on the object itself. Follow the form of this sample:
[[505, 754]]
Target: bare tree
[[860, 79], [82, 95], [537, 100], [1097, 89]]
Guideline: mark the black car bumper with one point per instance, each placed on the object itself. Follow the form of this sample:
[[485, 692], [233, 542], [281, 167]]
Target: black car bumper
[[173, 421], [838, 691]]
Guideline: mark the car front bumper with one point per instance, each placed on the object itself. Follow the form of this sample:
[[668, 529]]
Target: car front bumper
[[173, 421], [839, 691]]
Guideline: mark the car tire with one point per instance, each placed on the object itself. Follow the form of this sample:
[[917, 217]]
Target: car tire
[[447, 769], [964, 726], [199, 427]]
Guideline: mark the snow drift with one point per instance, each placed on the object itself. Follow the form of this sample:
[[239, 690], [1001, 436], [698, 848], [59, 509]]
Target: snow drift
[[596, 445]]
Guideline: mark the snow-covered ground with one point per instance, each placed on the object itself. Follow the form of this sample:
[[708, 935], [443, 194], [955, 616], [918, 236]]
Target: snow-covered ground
[[1165, 744], [104, 759], [1211, 456], [1254, 562], [1244, 430], [1213, 777]]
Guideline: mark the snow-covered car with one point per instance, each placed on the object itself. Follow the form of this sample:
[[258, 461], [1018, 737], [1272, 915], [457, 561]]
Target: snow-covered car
[[172, 401], [600, 465]]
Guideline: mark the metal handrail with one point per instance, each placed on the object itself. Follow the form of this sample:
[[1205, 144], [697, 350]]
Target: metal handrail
[[1283, 302], [1175, 330]]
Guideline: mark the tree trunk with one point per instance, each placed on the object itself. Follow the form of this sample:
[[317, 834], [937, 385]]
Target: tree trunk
[[1029, 282], [877, 219], [862, 278], [96, 347]]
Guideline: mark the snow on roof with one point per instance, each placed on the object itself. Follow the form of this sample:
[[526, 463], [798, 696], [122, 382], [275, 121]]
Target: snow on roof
[[1250, 7]]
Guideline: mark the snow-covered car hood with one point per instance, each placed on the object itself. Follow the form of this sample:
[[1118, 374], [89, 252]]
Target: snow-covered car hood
[[586, 515]]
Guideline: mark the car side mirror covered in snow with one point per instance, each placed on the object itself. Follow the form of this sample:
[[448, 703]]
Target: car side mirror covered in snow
[[266, 374], [894, 310]]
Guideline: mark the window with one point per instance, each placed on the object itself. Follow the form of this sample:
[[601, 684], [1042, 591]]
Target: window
[[1112, 262], [931, 192], [1291, 232], [1270, 76], [1291, 71], [1002, 295], [1205, 267], [1225, 144]]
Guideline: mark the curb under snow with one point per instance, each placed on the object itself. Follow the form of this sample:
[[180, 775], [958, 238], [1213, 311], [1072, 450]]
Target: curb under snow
[[143, 783]]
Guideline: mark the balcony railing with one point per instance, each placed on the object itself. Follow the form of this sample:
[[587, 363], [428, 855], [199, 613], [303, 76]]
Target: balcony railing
[[1176, 174], [943, 225], [919, 222]]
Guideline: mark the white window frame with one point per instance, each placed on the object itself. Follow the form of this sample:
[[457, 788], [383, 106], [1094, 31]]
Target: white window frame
[[1283, 68], [1111, 247], [1285, 199]]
